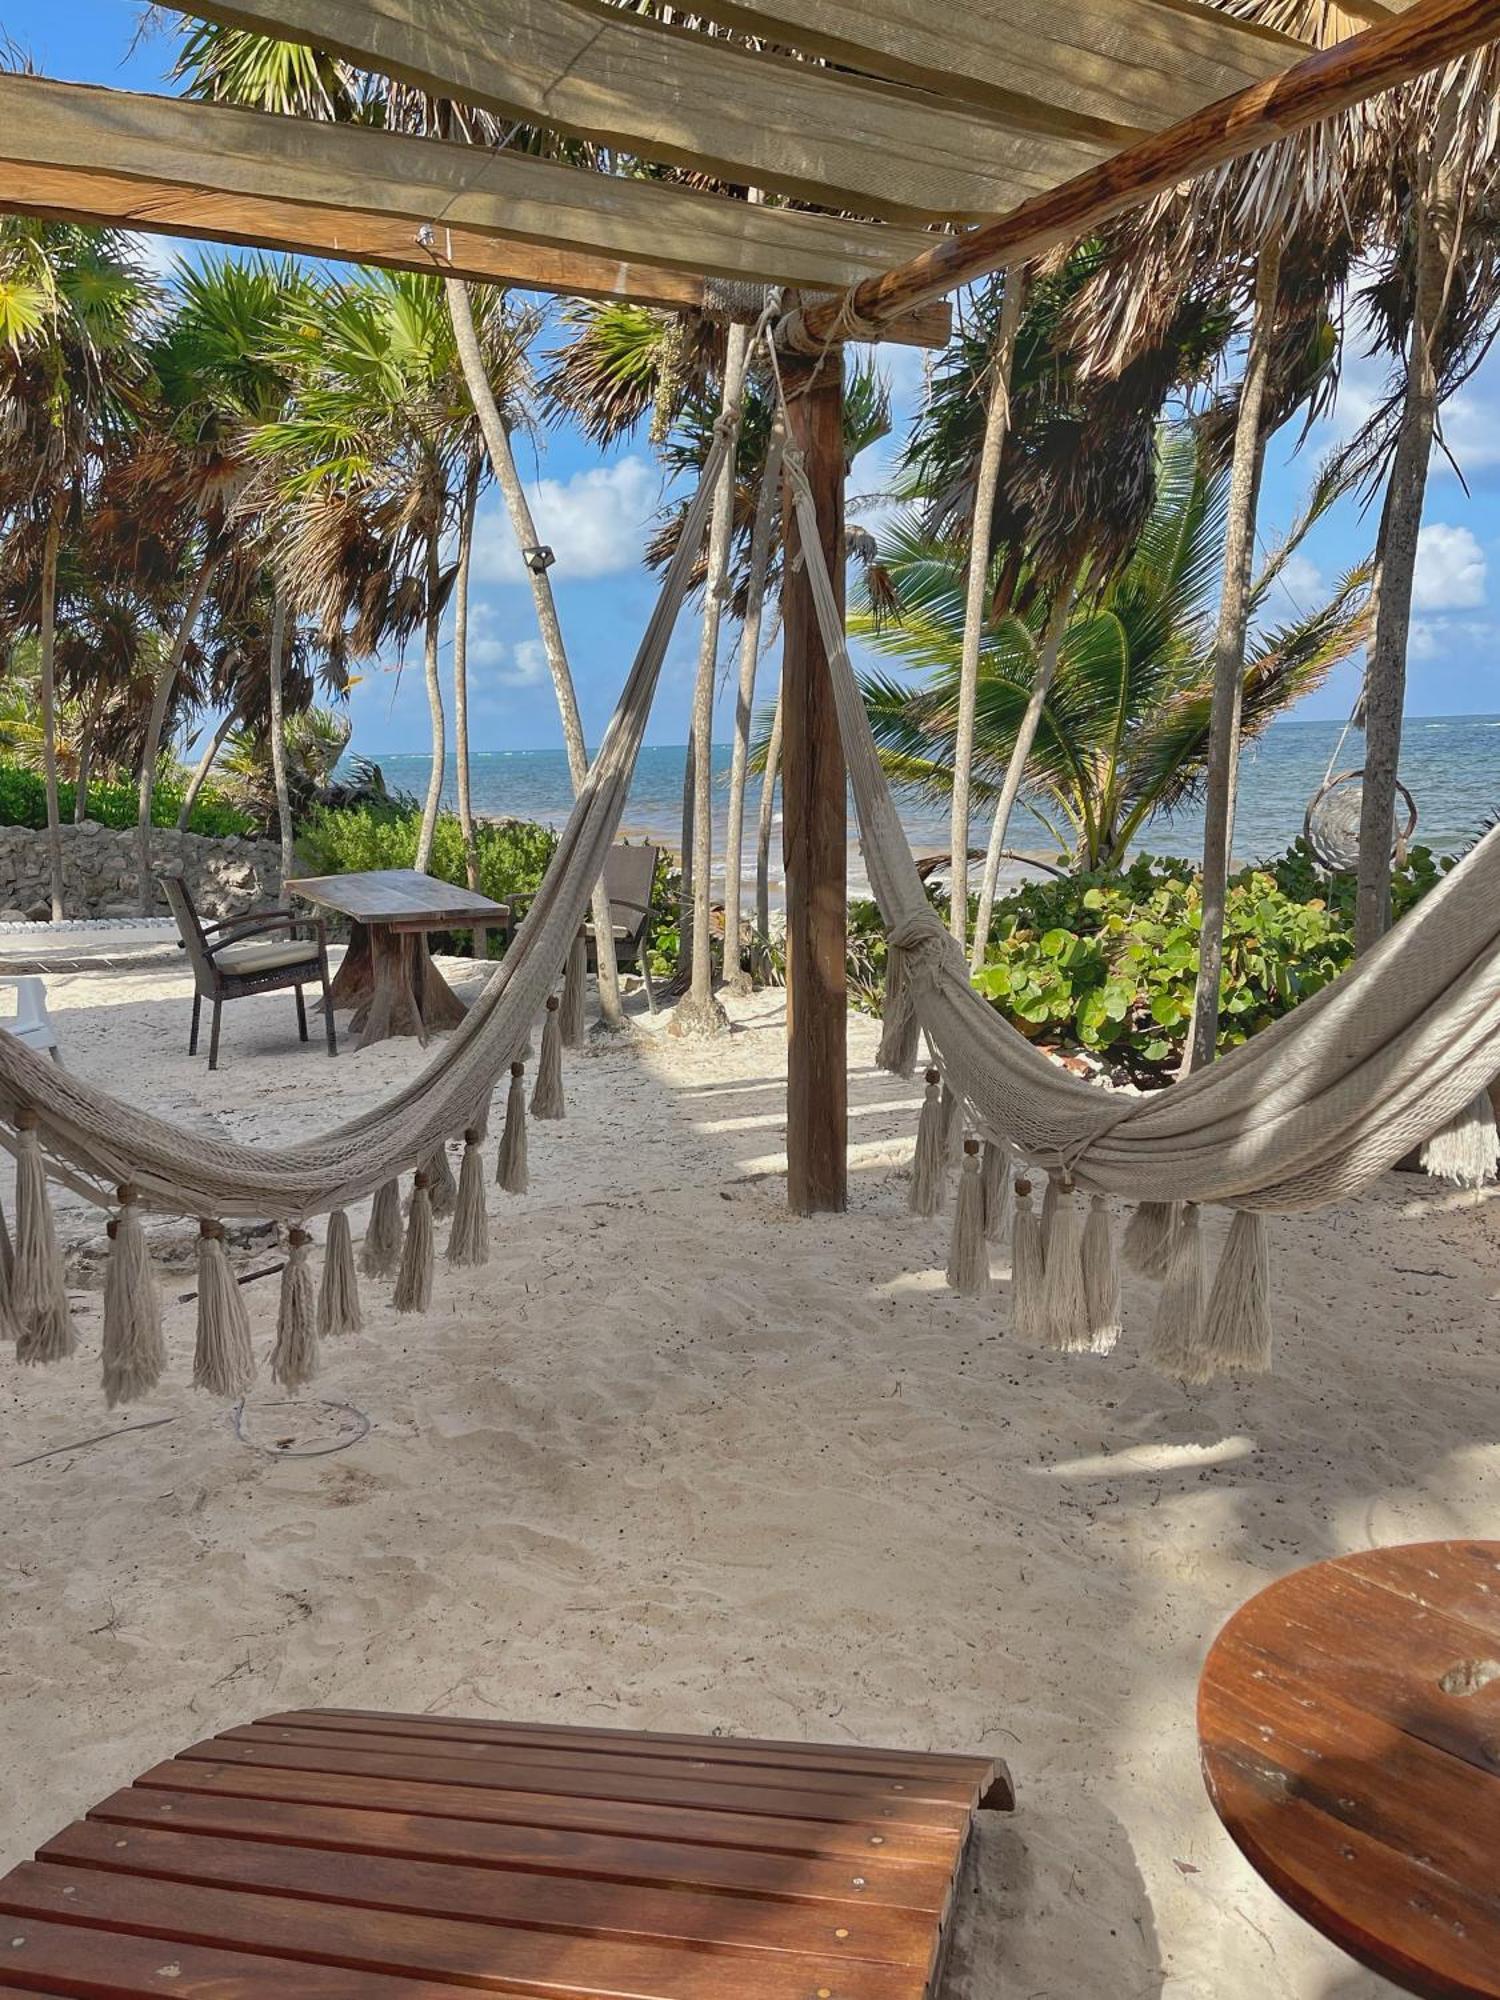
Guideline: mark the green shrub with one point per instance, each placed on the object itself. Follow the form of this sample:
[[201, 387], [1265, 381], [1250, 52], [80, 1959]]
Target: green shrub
[[1109, 962], [347, 840], [23, 802]]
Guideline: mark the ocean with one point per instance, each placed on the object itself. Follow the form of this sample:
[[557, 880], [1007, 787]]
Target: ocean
[[1450, 764]]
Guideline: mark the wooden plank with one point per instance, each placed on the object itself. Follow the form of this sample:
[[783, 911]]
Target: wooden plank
[[844, 1931], [493, 1958], [394, 1730], [389, 186], [462, 1763], [107, 1965], [1332, 80], [852, 1758], [674, 95], [389, 895], [408, 1832], [1460, 1579], [1118, 66], [815, 816], [276, 1774]]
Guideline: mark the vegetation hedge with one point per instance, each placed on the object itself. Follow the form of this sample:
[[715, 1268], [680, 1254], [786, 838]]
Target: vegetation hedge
[[345, 840], [23, 802]]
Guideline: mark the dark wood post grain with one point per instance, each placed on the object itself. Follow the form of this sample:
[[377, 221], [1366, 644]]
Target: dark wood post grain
[[815, 818]]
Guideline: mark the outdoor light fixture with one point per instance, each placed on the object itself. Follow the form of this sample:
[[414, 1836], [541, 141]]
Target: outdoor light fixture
[[427, 236], [539, 559]]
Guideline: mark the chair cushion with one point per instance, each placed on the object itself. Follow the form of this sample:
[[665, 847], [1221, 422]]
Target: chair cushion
[[244, 960]]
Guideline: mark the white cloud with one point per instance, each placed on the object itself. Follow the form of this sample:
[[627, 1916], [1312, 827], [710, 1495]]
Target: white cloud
[[493, 663], [1302, 582], [1450, 569], [1471, 433], [597, 522]]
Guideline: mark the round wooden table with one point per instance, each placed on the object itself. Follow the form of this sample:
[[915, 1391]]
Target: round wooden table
[[1349, 1727]]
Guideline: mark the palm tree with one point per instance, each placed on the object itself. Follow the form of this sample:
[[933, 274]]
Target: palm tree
[[1123, 730], [73, 309]]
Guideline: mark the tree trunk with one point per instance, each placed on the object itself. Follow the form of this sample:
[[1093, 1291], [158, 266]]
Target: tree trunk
[[682, 976], [1229, 660], [277, 728], [1401, 523], [431, 658], [763, 842], [461, 675], [48, 649], [761, 537], [508, 478], [205, 766], [1046, 666], [700, 1013], [86, 742], [987, 485], [156, 722]]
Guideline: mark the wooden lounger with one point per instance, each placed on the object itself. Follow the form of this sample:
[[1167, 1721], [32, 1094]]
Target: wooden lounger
[[333, 1854]]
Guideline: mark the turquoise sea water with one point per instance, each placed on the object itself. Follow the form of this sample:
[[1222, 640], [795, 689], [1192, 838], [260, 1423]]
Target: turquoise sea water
[[1451, 765]]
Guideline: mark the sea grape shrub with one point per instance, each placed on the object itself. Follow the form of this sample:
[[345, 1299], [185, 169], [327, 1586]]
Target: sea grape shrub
[[1109, 963], [23, 802], [345, 840]]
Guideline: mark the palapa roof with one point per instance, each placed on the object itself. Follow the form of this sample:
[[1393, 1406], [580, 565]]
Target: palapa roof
[[897, 118]]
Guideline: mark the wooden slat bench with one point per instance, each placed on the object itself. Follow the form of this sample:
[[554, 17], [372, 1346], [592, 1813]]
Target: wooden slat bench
[[334, 1852]]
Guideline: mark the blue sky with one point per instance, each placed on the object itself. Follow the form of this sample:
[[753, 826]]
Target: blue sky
[[596, 510]]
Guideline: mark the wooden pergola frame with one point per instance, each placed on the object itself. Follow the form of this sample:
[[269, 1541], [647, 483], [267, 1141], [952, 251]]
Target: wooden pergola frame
[[377, 197]]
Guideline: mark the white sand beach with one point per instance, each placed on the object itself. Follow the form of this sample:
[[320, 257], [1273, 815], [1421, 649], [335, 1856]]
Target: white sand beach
[[676, 1461]]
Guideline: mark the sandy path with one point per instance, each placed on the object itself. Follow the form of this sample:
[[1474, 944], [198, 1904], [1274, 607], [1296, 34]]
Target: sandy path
[[674, 1460]]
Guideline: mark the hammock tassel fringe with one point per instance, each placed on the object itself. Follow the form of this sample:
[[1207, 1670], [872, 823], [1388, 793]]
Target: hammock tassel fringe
[[414, 1280], [1049, 1211], [547, 1099], [1237, 1330], [969, 1254], [1148, 1238], [1028, 1270], [338, 1296], [442, 1189], [900, 1030], [223, 1357], [469, 1238], [929, 1172], [294, 1359], [1064, 1301], [135, 1354], [1177, 1336], [381, 1254], [1101, 1279], [573, 1012], [39, 1298], [9, 1328], [510, 1167], [994, 1176], [1467, 1150]]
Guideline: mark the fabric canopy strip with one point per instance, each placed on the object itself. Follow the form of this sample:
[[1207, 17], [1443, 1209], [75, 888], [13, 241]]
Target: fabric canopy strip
[[94, 1142]]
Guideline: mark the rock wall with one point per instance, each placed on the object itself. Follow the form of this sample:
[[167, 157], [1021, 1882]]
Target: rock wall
[[100, 879]]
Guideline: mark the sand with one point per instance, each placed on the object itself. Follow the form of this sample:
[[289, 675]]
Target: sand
[[676, 1461]]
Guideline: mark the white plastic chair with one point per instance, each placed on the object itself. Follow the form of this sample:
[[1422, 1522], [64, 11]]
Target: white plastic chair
[[32, 1024]]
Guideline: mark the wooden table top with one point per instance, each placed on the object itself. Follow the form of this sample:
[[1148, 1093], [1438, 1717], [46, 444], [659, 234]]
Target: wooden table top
[[397, 896], [339, 1854], [1349, 1725]]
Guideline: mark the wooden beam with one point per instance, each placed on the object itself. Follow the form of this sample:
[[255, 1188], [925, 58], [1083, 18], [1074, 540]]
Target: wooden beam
[[815, 815], [337, 191], [1332, 80], [1122, 67], [676, 95]]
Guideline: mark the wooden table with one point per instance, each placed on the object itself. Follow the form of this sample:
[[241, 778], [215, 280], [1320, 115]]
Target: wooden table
[[388, 977], [1350, 1738], [334, 1854]]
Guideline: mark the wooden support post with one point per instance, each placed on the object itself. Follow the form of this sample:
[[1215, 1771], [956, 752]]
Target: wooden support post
[[815, 814]]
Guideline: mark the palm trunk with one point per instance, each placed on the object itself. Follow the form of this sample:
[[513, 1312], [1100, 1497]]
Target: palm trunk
[[734, 838], [156, 722], [508, 478], [276, 668], [763, 841], [681, 978], [48, 649], [1229, 660], [86, 742], [431, 655], [205, 765], [700, 1013], [461, 675], [987, 486], [1401, 522], [1010, 791]]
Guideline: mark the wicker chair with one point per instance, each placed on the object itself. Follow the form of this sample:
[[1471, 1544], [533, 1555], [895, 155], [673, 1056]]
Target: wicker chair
[[258, 953]]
